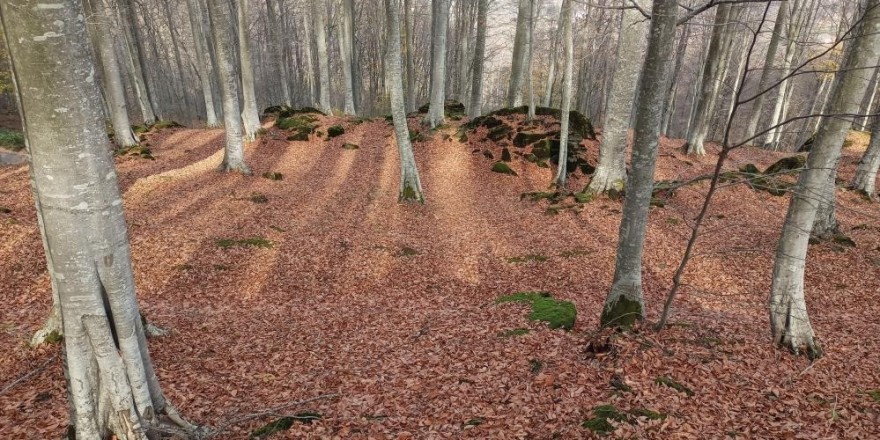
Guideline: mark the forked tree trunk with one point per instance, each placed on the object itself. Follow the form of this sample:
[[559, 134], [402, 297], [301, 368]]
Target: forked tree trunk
[[436, 111], [790, 324], [410, 184], [517, 70], [204, 66], [562, 166], [624, 304], [866, 174], [221, 29], [476, 105], [113, 389], [611, 171], [319, 12], [122, 133], [249, 113]]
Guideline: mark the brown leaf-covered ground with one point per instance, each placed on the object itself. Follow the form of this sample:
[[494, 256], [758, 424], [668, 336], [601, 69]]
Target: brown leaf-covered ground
[[390, 309]]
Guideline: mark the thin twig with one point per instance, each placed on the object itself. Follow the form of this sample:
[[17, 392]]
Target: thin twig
[[264, 413], [28, 375]]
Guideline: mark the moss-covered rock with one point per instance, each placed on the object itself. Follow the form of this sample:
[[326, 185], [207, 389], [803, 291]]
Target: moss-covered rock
[[335, 130], [672, 383], [503, 168], [499, 133], [505, 155], [749, 168], [350, 146], [792, 163], [273, 175], [522, 140], [451, 108]]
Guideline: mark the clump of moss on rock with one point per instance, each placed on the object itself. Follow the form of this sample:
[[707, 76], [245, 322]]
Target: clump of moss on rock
[[672, 383], [503, 168], [792, 163], [273, 175], [556, 313], [335, 130], [300, 127], [284, 423], [350, 146]]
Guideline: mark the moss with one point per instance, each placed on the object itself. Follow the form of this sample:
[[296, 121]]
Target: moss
[[526, 258], [474, 422], [749, 168], [260, 242], [874, 394], [584, 197], [671, 383], [622, 314], [463, 137], [514, 332], [141, 151], [647, 413], [259, 198], [5, 210], [350, 146], [139, 129], [409, 194], [284, 423], [417, 136], [557, 314], [673, 220], [792, 163], [407, 251], [273, 175], [574, 253], [598, 425], [541, 195], [600, 422], [300, 126], [55, 337], [335, 130], [163, 124], [535, 366], [503, 168], [843, 240]]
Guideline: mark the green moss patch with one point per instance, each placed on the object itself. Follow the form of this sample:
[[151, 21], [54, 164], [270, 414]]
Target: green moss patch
[[874, 395], [284, 423], [55, 337], [258, 198], [787, 164], [535, 366], [407, 251], [503, 168], [138, 151], [300, 126], [5, 210], [604, 414], [273, 175], [556, 313], [335, 130], [259, 242], [527, 258], [672, 383]]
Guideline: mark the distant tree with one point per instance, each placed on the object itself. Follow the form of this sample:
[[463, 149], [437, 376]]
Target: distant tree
[[319, 13], [410, 183], [562, 167], [624, 304], [346, 49], [766, 72], [221, 29], [866, 174], [520, 49], [135, 61], [476, 105], [276, 44], [790, 323], [112, 385], [249, 114], [204, 66], [440, 22]]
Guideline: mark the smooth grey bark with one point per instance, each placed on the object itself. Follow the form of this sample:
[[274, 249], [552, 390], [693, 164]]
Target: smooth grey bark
[[568, 56], [476, 105], [758, 106], [112, 386], [204, 66], [713, 77], [277, 47], [319, 13], [250, 116], [410, 184], [624, 304], [517, 64], [865, 179], [611, 171], [551, 73], [221, 29], [529, 50], [410, 63], [669, 106], [122, 133], [135, 62], [436, 111], [464, 49], [346, 50], [790, 323]]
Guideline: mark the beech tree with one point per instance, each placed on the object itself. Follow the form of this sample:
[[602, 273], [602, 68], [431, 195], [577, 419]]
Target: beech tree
[[624, 304], [865, 179], [520, 49], [561, 169], [790, 323], [476, 104], [204, 66], [440, 22], [410, 183], [346, 50], [112, 386], [611, 170], [249, 114], [319, 13]]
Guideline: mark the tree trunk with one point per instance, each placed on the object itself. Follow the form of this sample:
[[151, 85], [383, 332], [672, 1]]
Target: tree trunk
[[562, 166], [624, 304], [790, 324], [713, 76], [436, 110], [249, 115], [410, 184], [669, 105], [517, 70], [135, 62], [122, 133], [113, 389], [346, 41], [319, 13], [410, 63], [476, 106], [866, 174], [277, 47], [611, 171], [529, 49], [551, 73], [221, 29], [204, 67], [758, 106]]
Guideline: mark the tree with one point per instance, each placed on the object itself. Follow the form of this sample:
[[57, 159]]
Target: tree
[[520, 49], [866, 174], [319, 13], [277, 46], [136, 61], [204, 66], [410, 184], [122, 133], [249, 115], [346, 49], [790, 324], [475, 109], [113, 388], [624, 304], [410, 63], [221, 28], [561, 169], [611, 171], [758, 106], [440, 22]]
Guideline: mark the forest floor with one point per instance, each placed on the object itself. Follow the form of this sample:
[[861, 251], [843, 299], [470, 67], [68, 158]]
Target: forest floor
[[383, 316]]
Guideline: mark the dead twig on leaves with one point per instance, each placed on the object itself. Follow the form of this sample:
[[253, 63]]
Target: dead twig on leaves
[[260, 414], [28, 375]]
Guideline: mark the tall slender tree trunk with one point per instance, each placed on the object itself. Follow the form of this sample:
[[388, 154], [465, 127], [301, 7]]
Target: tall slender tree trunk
[[551, 73], [277, 47], [476, 105], [410, 184], [122, 132], [135, 62], [758, 106], [346, 41], [790, 323], [669, 105], [624, 304], [221, 29], [182, 90], [249, 114], [866, 174], [436, 110], [112, 386], [611, 171], [204, 67], [409, 38], [568, 56], [319, 12], [529, 50], [520, 41]]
